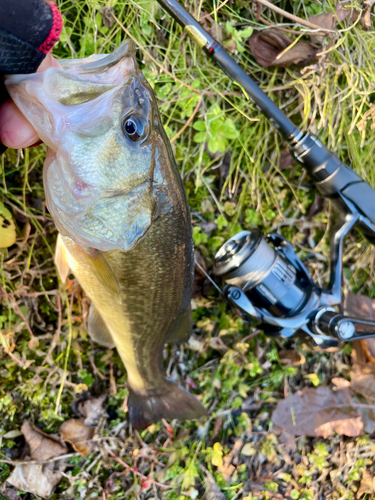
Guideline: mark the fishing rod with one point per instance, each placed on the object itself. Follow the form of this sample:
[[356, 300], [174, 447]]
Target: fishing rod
[[266, 282]]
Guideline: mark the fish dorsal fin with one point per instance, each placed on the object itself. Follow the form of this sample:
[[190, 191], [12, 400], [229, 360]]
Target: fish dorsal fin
[[61, 259], [98, 330], [103, 272]]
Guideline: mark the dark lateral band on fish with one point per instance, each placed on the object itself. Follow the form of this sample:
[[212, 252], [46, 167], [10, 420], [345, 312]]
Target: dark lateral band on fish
[[127, 240]]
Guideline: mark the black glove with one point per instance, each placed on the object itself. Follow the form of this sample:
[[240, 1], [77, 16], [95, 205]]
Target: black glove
[[28, 31]]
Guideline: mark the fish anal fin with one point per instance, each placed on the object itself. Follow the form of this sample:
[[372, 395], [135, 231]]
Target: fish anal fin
[[103, 272], [181, 329], [169, 401], [61, 259], [98, 330]]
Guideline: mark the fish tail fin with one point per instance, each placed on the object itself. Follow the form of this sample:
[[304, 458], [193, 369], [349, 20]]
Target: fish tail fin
[[169, 401]]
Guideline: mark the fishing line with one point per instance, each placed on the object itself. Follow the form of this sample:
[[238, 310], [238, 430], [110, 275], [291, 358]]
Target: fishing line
[[209, 277]]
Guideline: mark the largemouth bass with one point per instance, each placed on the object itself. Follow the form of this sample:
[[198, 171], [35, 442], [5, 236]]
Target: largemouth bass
[[117, 199]]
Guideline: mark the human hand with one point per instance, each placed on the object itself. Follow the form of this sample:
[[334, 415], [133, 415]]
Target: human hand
[[15, 131]]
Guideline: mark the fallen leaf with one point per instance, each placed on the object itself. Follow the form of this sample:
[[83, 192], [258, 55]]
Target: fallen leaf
[[366, 14], [269, 49], [91, 410], [288, 441], [213, 491], [362, 307], [367, 416], [248, 450], [7, 228], [42, 446], [340, 383], [211, 26], [316, 412], [363, 381], [292, 358], [228, 468], [80, 436], [329, 20], [107, 16], [40, 480], [367, 484], [286, 160]]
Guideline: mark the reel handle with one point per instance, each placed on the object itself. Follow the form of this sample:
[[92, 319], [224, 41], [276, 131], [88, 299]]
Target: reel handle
[[345, 328]]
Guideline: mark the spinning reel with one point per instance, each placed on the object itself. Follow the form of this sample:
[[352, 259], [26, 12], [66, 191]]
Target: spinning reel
[[266, 281]]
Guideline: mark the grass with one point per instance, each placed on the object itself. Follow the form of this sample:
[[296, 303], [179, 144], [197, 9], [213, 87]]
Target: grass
[[229, 157]]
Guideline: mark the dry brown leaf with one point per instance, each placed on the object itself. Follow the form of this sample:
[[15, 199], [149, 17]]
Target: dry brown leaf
[[366, 14], [367, 484], [362, 307], [340, 383], [227, 468], [80, 436], [317, 412], [37, 479], [92, 410], [286, 160], [367, 416], [291, 358], [107, 16], [213, 491], [42, 446], [329, 20], [363, 381], [269, 49]]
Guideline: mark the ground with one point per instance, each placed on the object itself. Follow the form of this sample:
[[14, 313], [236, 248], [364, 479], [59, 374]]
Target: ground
[[237, 175]]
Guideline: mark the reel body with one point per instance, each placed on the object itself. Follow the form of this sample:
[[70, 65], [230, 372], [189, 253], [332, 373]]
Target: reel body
[[267, 283]]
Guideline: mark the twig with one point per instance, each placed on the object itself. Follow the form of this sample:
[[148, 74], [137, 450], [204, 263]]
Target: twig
[[96, 370], [153, 59], [56, 337], [63, 379], [292, 17], [191, 118], [29, 216], [135, 471], [112, 381], [30, 462], [20, 313]]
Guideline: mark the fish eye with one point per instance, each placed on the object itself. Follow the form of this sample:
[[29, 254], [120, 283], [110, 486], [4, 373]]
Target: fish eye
[[133, 128]]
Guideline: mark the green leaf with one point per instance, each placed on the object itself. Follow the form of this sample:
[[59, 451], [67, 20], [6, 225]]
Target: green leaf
[[246, 33], [198, 236], [199, 125], [199, 137], [229, 27], [221, 222], [213, 144], [222, 143], [239, 47]]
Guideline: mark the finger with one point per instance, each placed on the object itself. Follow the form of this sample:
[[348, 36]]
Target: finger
[[15, 131]]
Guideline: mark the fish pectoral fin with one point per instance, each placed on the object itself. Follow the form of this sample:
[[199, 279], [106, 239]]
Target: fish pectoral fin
[[98, 330], [169, 400], [181, 328], [61, 259], [103, 272]]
